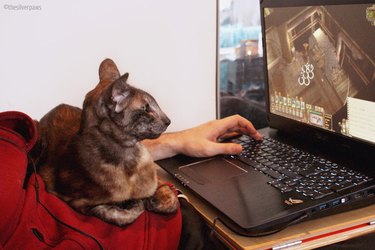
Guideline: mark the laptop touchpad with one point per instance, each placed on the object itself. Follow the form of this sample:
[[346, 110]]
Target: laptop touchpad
[[212, 170]]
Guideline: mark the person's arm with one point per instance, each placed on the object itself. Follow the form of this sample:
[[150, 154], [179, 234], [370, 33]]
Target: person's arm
[[202, 141]]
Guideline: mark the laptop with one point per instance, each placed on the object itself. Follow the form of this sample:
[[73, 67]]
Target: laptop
[[317, 157]]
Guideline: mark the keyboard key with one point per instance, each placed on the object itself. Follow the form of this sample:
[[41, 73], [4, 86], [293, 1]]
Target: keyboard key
[[290, 174], [272, 173], [342, 186], [247, 161], [286, 189], [310, 171], [322, 193]]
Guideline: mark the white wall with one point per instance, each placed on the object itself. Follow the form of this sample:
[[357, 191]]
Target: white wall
[[51, 55]]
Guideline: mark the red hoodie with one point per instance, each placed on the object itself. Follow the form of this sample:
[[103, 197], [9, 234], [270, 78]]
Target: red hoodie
[[31, 218]]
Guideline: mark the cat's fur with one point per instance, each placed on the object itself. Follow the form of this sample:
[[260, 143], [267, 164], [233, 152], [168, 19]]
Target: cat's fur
[[93, 158]]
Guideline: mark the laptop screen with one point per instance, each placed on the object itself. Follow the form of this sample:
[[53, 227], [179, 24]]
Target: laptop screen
[[321, 66]]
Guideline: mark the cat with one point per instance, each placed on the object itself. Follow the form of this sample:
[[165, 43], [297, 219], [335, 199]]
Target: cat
[[93, 158]]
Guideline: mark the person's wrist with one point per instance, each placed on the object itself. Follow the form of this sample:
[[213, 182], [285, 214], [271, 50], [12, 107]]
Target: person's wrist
[[174, 143]]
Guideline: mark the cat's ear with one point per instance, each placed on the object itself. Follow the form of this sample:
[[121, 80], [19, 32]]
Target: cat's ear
[[120, 91], [108, 71]]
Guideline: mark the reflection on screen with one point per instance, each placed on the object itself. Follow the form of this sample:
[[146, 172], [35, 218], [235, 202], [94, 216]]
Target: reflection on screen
[[319, 58]]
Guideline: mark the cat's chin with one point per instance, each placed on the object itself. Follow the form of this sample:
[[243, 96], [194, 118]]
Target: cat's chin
[[154, 136], [149, 136]]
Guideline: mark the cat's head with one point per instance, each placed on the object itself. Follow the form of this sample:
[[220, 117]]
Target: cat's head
[[121, 108]]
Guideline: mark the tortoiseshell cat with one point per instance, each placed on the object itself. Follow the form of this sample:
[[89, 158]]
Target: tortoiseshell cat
[[93, 159]]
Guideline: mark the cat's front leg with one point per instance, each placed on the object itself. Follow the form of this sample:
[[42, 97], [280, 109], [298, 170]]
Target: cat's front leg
[[163, 201], [117, 214]]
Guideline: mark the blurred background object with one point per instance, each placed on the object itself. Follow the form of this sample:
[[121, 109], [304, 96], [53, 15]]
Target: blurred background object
[[241, 77]]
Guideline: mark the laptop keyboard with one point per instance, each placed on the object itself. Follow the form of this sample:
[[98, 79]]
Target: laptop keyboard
[[293, 169]]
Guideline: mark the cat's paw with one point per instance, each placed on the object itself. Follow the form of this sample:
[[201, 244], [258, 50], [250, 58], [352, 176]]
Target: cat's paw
[[163, 201]]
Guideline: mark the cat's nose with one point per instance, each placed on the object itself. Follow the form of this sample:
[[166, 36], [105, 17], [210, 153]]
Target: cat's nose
[[167, 121]]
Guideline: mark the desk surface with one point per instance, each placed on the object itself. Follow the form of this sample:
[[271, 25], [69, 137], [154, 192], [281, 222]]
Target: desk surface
[[305, 235]]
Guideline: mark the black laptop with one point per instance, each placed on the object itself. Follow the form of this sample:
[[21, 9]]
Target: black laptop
[[318, 156]]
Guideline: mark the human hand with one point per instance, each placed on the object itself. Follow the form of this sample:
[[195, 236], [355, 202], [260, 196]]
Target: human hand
[[204, 140]]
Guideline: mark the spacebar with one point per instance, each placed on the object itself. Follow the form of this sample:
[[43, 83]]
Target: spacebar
[[247, 161]]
